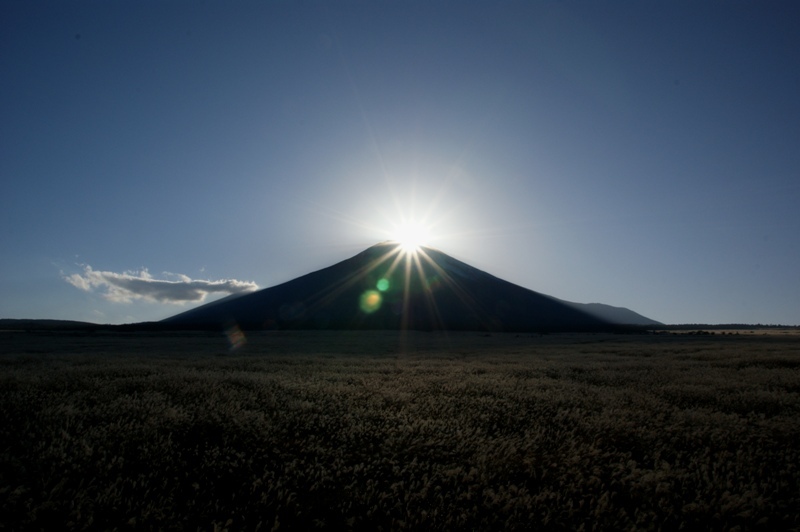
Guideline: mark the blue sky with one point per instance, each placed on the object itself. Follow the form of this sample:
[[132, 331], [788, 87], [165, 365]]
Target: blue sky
[[641, 154]]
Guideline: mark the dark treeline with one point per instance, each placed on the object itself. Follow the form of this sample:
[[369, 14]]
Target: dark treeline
[[68, 325], [160, 326], [723, 326]]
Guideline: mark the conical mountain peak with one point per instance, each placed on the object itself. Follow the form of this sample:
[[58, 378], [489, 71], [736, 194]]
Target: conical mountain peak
[[387, 287]]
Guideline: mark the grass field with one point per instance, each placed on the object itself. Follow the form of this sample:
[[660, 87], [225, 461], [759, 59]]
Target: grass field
[[386, 431]]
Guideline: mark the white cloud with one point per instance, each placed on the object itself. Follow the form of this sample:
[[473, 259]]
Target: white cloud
[[128, 286]]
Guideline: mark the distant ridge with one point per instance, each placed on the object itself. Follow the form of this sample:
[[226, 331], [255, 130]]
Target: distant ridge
[[384, 287], [9, 324]]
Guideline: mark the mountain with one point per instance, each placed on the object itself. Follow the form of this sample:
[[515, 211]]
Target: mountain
[[385, 287]]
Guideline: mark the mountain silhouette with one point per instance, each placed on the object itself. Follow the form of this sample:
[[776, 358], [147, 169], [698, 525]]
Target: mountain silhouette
[[385, 287]]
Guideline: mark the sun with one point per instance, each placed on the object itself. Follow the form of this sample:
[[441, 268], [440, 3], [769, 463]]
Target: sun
[[411, 236]]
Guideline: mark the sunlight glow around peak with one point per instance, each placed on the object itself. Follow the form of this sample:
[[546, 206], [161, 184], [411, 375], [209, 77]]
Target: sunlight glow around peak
[[411, 236]]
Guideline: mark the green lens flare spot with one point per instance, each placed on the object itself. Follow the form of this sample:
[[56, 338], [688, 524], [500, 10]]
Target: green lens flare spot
[[370, 301], [383, 285]]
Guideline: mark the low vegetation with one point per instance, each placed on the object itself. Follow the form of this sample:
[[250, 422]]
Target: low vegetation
[[375, 431]]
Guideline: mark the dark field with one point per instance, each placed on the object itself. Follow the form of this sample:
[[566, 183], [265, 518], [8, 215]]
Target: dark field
[[370, 431]]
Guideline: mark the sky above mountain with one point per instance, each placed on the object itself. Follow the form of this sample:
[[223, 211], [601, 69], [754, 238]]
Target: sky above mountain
[[156, 155]]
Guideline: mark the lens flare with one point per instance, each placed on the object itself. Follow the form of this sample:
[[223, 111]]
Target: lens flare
[[236, 337], [370, 301]]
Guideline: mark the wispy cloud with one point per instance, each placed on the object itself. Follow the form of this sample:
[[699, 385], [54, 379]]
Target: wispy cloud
[[130, 285]]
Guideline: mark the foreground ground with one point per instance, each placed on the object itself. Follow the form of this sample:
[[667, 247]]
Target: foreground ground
[[386, 431]]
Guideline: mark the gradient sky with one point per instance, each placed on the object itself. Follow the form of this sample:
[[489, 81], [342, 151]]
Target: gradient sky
[[640, 154]]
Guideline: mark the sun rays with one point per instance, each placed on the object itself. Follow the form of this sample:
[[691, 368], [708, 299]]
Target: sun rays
[[404, 283], [394, 286]]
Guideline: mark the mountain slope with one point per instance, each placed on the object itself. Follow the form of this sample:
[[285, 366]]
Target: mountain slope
[[384, 288], [619, 315]]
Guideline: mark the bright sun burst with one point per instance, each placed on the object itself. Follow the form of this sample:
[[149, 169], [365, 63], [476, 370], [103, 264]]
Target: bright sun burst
[[411, 236]]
